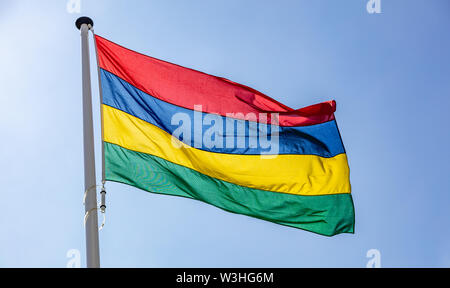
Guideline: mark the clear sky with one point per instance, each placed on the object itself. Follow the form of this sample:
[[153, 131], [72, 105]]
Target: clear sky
[[388, 72]]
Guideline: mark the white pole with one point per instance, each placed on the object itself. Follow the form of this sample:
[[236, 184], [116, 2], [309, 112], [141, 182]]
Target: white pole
[[92, 245]]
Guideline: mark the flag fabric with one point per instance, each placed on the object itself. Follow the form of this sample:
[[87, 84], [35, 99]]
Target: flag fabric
[[172, 130]]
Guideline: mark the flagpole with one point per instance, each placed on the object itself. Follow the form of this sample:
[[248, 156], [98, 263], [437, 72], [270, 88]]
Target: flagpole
[[91, 219]]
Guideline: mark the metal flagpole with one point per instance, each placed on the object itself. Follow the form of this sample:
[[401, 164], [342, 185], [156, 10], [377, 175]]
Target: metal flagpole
[[91, 219]]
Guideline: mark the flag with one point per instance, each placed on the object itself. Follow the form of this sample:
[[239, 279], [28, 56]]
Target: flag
[[176, 131]]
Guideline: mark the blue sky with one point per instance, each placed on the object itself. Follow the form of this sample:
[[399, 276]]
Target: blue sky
[[388, 72]]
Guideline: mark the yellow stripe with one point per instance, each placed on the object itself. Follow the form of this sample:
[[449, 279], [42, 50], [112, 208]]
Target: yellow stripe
[[293, 174]]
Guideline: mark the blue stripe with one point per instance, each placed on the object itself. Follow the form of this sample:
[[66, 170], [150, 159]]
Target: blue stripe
[[320, 139]]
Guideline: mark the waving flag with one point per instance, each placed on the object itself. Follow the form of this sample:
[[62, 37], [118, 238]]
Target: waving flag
[[176, 131]]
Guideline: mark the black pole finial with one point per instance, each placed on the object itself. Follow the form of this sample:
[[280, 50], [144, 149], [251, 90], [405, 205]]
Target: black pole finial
[[84, 20]]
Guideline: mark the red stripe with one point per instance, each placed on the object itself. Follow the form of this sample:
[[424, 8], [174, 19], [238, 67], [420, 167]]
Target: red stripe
[[186, 87]]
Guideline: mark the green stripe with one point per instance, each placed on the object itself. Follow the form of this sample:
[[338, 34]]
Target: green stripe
[[326, 214]]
